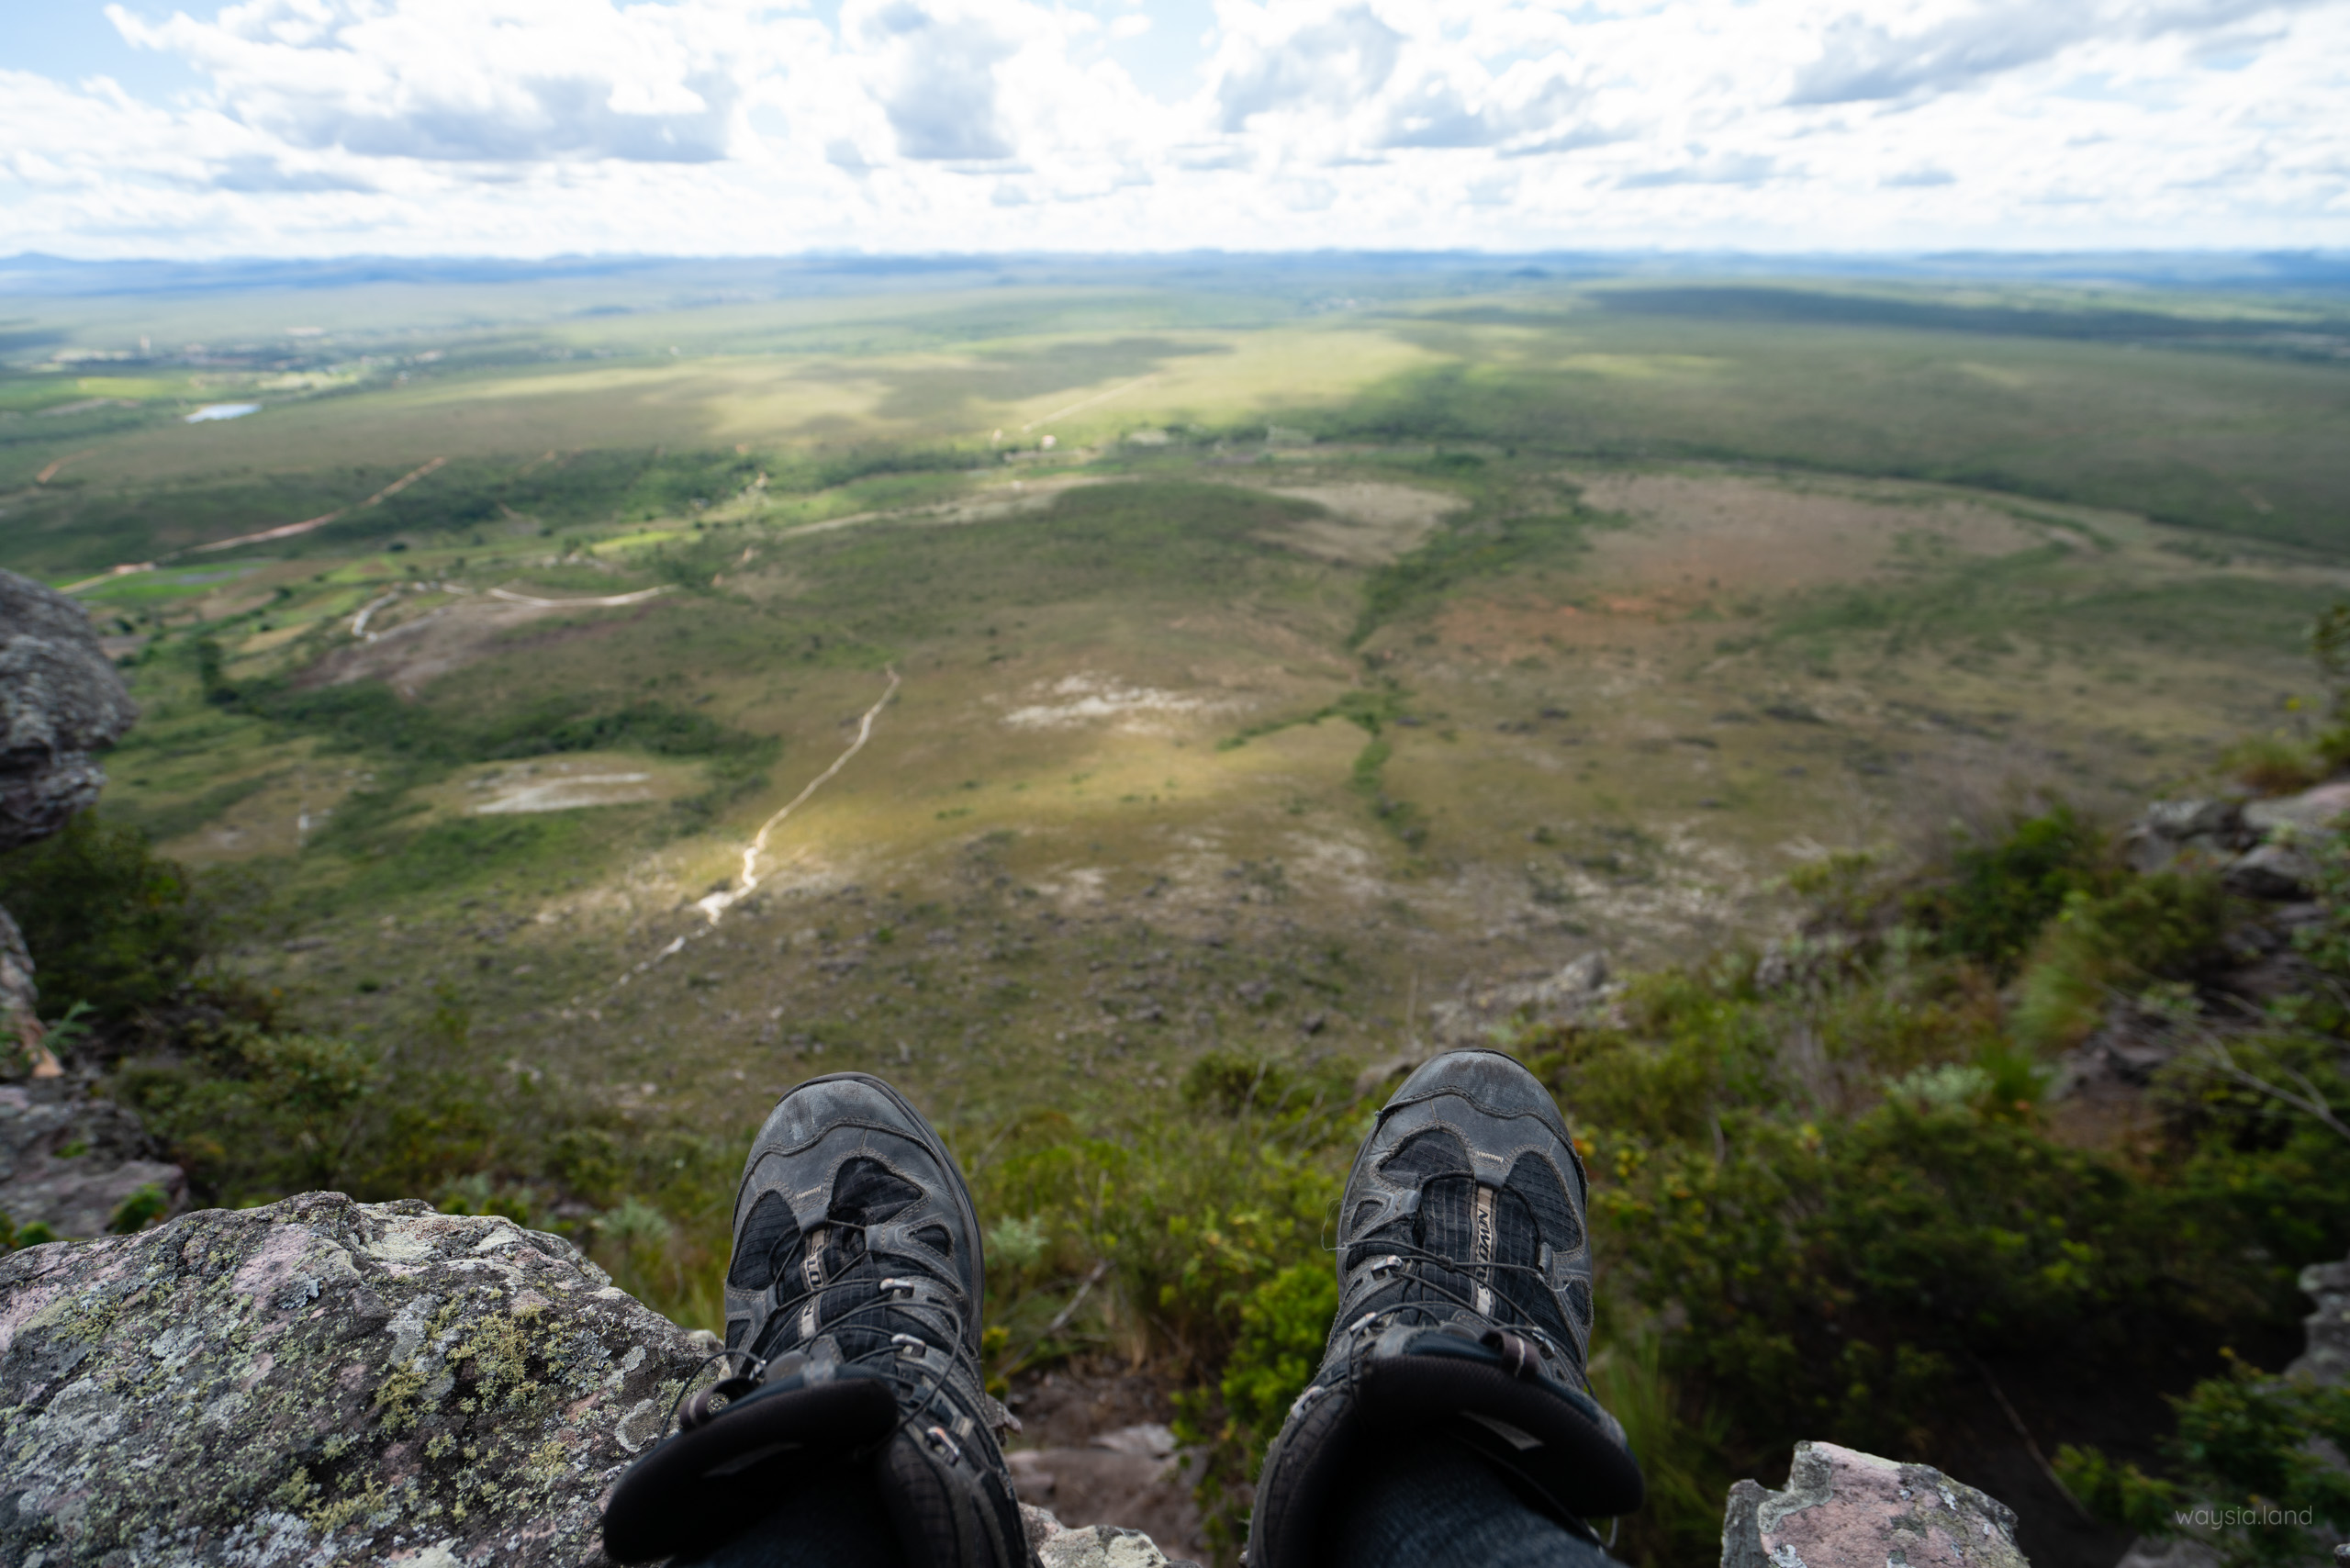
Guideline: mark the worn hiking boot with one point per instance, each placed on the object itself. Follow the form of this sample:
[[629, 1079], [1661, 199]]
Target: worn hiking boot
[[852, 1337], [1464, 1312]]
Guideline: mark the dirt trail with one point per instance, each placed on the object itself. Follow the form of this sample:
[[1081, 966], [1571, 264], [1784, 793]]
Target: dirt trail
[[716, 904]]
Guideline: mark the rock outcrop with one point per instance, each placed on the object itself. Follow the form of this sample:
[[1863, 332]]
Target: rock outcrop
[[2326, 1356], [2258, 847], [19, 998], [321, 1381], [327, 1382], [1845, 1510], [1577, 991], [60, 702], [71, 1162]]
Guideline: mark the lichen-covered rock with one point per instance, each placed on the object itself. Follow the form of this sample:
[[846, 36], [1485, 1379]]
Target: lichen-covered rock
[[1844, 1510], [1576, 992], [69, 1161], [1057, 1545], [2326, 1356], [60, 701], [321, 1381], [2202, 834], [1132, 1477], [18, 999], [2275, 873]]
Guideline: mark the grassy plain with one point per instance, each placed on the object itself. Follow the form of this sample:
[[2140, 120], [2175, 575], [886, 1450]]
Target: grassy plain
[[1660, 592], [1273, 660]]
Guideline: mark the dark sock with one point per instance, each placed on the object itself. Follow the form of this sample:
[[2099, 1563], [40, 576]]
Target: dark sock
[[1436, 1505], [832, 1517]]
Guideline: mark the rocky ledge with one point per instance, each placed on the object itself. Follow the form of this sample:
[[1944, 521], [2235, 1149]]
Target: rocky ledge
[[322, 1382], [326, 1381]]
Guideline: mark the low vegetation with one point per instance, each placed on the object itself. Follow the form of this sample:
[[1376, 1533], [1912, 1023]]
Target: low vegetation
[[1832, 1199], [1262, 672]]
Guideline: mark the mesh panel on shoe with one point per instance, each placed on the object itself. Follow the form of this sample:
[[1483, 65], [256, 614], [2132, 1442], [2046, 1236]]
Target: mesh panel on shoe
[[1536, 1180], [867, 1192], [1519, 1232], [760, 1249], [935, 1236], [1437, 1152]]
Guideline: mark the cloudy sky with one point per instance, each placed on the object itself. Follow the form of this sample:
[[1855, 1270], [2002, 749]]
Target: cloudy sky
[[286, 128]]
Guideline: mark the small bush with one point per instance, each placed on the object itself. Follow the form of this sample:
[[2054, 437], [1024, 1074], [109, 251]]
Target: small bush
[[2163, 927], [2243, 1440], [108, 924], [137, 1212], [1275, 1353], [2274, 764], [1998, 896]]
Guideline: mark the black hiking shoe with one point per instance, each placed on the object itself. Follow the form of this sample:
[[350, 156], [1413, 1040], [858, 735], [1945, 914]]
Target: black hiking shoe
[[852, 1337], [1464, 1313]]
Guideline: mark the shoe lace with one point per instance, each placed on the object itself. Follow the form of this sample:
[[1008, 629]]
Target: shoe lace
[[1417, 1264], [895, 1294]]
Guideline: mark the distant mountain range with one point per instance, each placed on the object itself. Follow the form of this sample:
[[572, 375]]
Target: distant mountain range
[[34, 273]]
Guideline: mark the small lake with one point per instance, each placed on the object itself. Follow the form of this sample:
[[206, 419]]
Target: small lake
[[223, 411]]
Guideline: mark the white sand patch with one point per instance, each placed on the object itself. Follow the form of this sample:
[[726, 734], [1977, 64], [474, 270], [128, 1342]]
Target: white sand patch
[[571, 793], [1092, 699]]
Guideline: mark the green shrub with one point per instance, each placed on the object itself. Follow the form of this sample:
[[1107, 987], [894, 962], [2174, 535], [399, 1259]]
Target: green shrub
[[1679, 1443], [1829, 1279], [1997, 896], [137, 1212], [2165, 927], [2275, 765], [108, 924], [1275, 1353], [2243, 1442]]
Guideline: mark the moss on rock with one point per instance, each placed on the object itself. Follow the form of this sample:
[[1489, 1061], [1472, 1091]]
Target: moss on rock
[[321, 1381]]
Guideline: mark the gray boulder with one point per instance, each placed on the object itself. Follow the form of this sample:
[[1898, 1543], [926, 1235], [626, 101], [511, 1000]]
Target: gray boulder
[[2196, 832], [2311, 812], [60, 701], [2278, 873], [321, 1381], [1846, 1509], [1578, 992], [18, 996], [1057, 1545], [2326, 1355], [69, 1161]]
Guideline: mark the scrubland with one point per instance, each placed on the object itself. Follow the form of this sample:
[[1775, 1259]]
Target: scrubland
[[1335, 655]]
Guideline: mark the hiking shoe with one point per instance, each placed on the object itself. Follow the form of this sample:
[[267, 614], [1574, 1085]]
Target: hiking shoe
[[1464, 1312], [853, 1305]]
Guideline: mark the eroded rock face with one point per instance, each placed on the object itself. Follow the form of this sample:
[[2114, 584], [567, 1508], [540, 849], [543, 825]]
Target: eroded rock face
[[1845, 1510], [2326, 1358], [69, 1161], [18, 995], [321, 1381], [1057, 1545], [60, 701], [1576, 992]]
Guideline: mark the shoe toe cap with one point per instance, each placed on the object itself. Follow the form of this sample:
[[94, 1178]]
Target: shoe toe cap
[[821, 1104], [1493, 1082]]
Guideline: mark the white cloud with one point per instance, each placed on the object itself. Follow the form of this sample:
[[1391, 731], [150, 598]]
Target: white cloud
[[742, 126]]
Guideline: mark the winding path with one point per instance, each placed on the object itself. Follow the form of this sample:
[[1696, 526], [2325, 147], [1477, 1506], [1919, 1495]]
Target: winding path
[[716, 904]]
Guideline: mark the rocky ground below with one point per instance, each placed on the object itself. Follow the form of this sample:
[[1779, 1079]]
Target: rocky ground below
[[321, 1381]]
